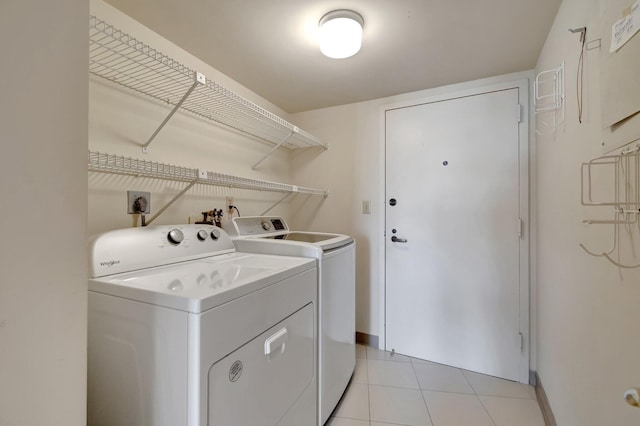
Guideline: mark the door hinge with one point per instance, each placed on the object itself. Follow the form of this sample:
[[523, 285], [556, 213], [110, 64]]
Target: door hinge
[[519, 113], [520, 225], [521, 342]]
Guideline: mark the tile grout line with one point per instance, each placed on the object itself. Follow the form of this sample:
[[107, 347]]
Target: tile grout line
[[492, 395], [413, 368], [478, 397], [366, 365], [449, 392], [486, 410], [507, 397], [394, 387], [468, 381]]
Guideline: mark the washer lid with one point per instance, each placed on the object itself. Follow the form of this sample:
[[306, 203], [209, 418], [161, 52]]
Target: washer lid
[[247, 229], [198, 285], [298, 246], [306, 237]]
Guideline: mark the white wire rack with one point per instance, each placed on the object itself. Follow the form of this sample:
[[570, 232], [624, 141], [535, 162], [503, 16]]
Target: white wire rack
[[624, 199], [118, 164], [121, 59], [549, 89], [549, 95]]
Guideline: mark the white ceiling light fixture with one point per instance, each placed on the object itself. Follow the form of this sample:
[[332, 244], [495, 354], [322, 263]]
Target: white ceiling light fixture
[[341, 33]]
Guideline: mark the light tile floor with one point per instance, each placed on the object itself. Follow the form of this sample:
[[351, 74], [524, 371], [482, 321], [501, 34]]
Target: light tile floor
[[398, 390]]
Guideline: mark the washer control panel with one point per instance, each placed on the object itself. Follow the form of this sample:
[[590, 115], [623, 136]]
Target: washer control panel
[[257, 226]]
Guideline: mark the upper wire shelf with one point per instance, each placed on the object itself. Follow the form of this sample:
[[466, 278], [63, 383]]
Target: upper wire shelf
[[118, 164], [121, 59]]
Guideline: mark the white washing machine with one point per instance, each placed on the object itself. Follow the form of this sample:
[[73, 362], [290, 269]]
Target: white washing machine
[[335, 255], [185, 330]]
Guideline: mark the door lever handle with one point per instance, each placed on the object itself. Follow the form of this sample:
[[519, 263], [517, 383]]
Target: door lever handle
[[398, 240]]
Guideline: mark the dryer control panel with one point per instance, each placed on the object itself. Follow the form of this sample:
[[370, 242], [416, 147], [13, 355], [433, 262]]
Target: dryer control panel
[[130, 249]]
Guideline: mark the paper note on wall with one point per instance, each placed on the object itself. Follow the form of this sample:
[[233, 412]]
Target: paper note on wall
[[625, 28], [620, 79]]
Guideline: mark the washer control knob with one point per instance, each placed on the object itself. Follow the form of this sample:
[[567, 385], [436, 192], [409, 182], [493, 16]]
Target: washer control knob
[[215, 234], [202, 235], [175, 236], [266, 225]]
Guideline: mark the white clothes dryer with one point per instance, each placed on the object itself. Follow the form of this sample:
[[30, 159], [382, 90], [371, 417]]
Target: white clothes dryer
[[335, 255], [186, 331]]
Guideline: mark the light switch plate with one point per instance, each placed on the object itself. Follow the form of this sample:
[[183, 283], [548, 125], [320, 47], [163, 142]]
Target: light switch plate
[[366, 207]]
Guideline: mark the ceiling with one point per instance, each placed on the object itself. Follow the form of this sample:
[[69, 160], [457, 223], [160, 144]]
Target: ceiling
[[270, 46]]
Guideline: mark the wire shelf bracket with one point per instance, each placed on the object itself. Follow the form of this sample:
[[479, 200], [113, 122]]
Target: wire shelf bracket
[[278, 202], [173, 200], [118, 164], [255, 166], [199, 79], [120, 59]]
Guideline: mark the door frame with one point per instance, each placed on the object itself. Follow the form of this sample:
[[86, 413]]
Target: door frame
[[476, 88]]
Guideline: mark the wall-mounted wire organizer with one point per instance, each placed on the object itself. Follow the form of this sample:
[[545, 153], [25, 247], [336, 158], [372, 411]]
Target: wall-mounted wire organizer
[[623, 172], [118, 164], [549, 96], [119, 58]]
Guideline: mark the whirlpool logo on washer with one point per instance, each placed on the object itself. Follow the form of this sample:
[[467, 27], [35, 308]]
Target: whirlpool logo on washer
[[235, 371], [109, 263]]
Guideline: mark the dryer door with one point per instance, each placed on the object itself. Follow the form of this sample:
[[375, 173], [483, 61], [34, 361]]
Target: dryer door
[[270, 380]]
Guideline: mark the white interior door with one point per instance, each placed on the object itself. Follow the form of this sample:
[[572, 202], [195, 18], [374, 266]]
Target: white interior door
[[453, 288]]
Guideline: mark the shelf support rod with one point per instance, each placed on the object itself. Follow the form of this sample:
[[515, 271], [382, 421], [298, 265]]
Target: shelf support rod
[[272, 150], [166, 206], [277, 202], [199, 79]]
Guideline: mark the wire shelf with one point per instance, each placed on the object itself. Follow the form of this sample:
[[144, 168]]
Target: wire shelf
[[121, 59], [118, 164]]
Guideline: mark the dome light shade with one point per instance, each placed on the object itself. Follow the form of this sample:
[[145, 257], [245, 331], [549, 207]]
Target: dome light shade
[[341, 33]]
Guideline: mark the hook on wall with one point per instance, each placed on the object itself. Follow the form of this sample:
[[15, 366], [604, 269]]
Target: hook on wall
[[582, 31]]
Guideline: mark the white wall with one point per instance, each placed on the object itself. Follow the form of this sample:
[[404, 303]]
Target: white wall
[[43, 187], [120, 123], [588, 339], [352, 170]]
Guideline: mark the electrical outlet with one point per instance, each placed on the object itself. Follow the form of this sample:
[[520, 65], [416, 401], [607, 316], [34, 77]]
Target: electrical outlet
[[229, 202], [138, 202]]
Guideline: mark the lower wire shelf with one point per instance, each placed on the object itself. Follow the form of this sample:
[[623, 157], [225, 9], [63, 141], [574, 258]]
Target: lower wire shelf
[[118, 164]]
